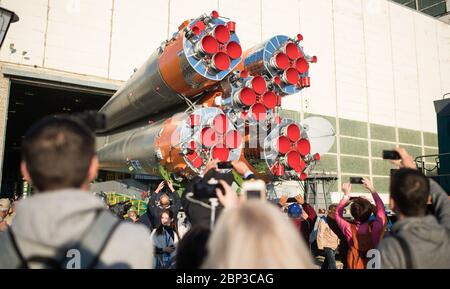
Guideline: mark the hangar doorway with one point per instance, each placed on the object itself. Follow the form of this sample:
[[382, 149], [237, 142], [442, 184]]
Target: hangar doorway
[[30, 101]]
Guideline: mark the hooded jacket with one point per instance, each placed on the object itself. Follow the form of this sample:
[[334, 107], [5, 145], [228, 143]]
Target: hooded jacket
[[427, 237], [49, 221]]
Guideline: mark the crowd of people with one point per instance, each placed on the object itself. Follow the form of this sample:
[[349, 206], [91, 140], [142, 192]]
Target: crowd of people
[[223, 228]]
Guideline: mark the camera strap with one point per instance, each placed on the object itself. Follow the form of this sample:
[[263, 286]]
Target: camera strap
[[95, 240]]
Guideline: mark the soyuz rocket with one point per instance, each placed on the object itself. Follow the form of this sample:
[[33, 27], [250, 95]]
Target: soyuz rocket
[[199, 96]]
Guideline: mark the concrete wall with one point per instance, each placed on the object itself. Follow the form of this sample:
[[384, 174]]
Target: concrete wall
[[378, 61], [380, 64], [4, 101]]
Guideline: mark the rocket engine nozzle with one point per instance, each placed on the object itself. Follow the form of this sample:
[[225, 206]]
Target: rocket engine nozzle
[[226, 94]]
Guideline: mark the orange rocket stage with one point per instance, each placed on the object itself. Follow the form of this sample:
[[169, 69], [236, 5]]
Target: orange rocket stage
[[226, 105]]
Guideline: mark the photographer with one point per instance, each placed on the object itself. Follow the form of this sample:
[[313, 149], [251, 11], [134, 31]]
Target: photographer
[[254, 234], [418, 240], [203, 188], [328, 237], [362, 235], [58, 158], [303, 214]]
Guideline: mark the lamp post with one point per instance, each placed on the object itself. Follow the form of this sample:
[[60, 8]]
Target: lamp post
[[6, 18]]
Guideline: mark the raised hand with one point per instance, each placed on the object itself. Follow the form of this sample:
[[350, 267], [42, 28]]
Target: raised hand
[[283, 200], [406, 160], [368, 185], [170, 185], [160, 187], [240, 167], [230, 198], [299, 198], [212, 164], [346, 189]]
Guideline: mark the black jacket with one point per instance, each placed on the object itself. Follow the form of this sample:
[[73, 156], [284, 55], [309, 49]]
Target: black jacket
[[198, 214], [145, 219], [154, 210]]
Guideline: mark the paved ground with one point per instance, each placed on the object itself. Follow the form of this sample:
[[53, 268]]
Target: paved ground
[[319, 260]]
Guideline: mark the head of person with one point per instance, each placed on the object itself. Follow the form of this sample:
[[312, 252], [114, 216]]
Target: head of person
[[167, 222], [5, 206], [332, 211], [167, 217], [59, 153], [132, 214], [256, 235], [409, 192], [164, 201], [192, 249], [361, 209], [294, 211]]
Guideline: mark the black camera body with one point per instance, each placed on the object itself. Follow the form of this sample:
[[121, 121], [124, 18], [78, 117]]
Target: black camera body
[[224, 165], [205, 189]]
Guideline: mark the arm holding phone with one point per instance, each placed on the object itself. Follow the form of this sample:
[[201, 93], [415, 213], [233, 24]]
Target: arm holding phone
[[242, 169], [439, 198], [380, 221], [342, 223], [176, 201]]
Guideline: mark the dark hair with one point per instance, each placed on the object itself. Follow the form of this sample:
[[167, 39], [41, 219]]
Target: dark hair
[[361, 209], [58, 151], [332, 206], [173, 225], [410, 190], [192, 249]]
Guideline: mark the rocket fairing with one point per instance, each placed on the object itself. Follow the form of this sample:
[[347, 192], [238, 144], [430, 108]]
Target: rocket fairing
[[231, 102]]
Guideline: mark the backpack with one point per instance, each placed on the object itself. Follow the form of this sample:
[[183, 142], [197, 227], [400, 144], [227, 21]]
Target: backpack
[[356, 257], [313, 235], [90, 246]]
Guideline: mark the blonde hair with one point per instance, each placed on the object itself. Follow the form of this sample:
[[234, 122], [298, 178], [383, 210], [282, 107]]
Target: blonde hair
[[256, 235]]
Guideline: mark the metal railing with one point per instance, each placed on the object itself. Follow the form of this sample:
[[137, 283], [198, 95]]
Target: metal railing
[[433, 171], [139, 205]]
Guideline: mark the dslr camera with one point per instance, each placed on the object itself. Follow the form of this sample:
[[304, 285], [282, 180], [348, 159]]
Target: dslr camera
[[205, 189]]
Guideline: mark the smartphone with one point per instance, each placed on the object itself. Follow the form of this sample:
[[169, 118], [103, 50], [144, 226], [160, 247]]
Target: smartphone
[[224, 165], [391, 155], [255, 189], [356, 180]]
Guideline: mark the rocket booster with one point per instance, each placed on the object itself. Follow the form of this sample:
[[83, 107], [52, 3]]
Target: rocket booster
[[198, 56], [211, 101]]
